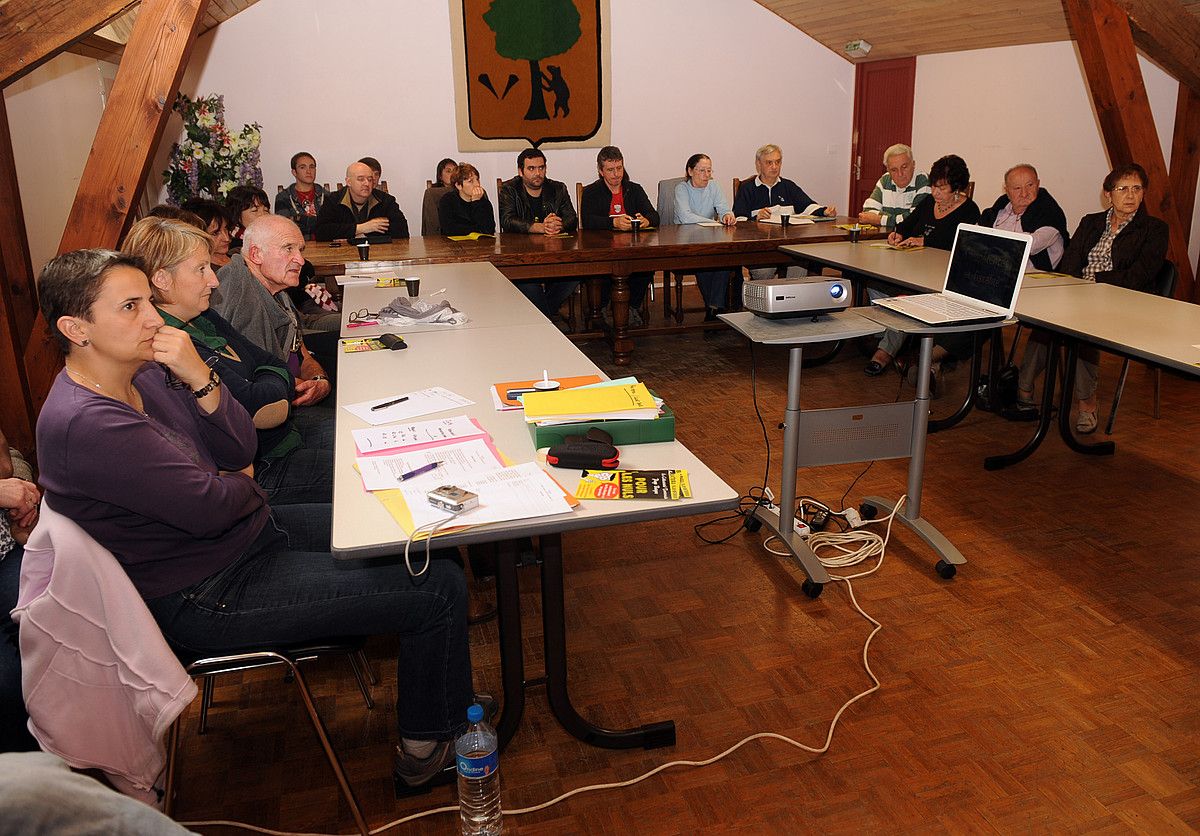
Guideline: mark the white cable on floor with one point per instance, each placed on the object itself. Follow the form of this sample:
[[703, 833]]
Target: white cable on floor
[[874, 545]]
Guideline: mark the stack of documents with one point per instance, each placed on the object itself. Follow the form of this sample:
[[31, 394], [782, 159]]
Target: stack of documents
[[402, 463], [625, 409]]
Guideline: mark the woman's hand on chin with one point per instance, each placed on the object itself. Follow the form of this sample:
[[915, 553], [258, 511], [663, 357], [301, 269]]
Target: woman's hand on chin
[[174, 349]]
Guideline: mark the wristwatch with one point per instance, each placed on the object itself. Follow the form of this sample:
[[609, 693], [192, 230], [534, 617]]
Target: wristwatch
[[213, 383]]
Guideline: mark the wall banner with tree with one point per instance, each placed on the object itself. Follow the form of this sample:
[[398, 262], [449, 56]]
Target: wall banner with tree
[[530, 71]]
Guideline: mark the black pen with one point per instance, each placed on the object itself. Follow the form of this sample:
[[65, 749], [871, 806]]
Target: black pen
[[386, 404]]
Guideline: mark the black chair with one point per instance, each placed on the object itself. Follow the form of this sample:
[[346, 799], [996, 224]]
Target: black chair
[[1164, 285]]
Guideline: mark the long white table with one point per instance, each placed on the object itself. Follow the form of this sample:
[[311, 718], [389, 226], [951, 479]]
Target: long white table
[[506, 343]]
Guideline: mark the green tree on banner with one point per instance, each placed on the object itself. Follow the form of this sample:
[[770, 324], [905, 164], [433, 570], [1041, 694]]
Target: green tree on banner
[[530, 30]]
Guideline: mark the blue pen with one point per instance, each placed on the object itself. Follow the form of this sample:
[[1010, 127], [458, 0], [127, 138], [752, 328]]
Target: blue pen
[[423, 469]]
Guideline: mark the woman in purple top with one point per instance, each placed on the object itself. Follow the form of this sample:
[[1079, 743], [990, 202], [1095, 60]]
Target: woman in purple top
[[159, 470]]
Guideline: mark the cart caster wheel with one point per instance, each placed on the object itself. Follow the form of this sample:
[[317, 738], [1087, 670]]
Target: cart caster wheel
[[812, 589], [867, 511], [945, 570], [752, 524]]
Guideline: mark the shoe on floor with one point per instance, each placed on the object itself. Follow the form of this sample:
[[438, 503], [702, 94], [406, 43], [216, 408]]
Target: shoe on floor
[[415, 772], [635, 318], [935, 378], [710, 314], [1085, 422], [1022, 411], [874, 369]]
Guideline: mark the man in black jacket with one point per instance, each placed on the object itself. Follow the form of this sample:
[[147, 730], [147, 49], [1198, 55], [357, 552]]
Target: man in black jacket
[[359, 210], [533, 204], [613, 202], [1026, 207]]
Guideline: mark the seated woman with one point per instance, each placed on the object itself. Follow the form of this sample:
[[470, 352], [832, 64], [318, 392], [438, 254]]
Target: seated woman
[[443, 180], [290, 467], [217, 224], [243, 204], [933, 223], [1123, 245], [19, 499], [163, 478], [698, 198], [465, 207]]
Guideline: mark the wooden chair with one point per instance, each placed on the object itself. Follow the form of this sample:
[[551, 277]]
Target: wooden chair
[[1164, 285], [666, 217], [971, 190], [278, 189], [428, 184], [383, 185]]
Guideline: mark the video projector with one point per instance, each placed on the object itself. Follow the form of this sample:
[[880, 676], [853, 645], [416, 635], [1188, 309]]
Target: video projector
[[808, 296]]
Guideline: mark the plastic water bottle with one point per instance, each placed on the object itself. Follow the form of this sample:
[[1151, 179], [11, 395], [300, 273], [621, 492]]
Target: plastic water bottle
[[478, 757]]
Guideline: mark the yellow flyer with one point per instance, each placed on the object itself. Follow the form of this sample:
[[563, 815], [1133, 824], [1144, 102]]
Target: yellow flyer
[[634, 484]]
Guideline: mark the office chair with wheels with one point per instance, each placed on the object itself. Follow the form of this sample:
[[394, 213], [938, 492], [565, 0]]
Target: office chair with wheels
[[1164, 285]]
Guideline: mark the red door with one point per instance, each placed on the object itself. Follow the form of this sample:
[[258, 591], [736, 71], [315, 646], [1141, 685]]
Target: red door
[[883, 109]]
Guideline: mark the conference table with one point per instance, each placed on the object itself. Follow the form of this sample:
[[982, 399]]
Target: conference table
[[505, 339], [591, 253], [1143, 326]]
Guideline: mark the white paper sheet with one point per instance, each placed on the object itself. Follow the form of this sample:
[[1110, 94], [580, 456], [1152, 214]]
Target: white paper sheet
[[458, 462], [398, 436], [511, 493], [422, 402]]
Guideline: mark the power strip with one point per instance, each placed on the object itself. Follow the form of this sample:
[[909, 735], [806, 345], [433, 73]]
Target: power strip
[[798, 525]]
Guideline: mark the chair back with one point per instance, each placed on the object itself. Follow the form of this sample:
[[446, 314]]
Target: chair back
[[1164, 282], [666, 200], [278, 189], [383, 185], [971, 190], [579, 198], [428, 184], [737, 184]]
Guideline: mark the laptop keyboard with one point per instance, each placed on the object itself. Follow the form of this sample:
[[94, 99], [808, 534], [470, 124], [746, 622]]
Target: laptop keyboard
[[944, 305]]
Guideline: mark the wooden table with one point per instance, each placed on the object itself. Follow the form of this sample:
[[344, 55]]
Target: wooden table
[[597, 253]]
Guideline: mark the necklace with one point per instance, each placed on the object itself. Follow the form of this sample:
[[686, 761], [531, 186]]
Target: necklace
[[100, 389]]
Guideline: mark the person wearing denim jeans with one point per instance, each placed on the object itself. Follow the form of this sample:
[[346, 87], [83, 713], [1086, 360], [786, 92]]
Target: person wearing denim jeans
[[162, 477]]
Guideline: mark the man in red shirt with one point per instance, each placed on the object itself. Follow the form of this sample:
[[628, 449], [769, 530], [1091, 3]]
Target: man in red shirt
[[302, 200]]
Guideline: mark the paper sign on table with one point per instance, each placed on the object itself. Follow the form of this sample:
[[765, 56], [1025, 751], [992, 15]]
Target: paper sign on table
[[421, 402], [511, 493], [459, 462], [416, 435]]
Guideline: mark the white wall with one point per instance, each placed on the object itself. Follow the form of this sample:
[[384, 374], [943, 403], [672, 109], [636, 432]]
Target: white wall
[[999, 107], [399, 108], [53, 114]]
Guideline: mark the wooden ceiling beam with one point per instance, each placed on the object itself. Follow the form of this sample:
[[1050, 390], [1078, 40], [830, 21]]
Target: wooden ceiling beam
[[132, 124], [98, 47], [1169, 34], [1102, 31], [1185, 155], [18, 303], [34, 31]]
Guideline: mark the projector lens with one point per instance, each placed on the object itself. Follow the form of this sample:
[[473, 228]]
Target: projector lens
[[837, 291]]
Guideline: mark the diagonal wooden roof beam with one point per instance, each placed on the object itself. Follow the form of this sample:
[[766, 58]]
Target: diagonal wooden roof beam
[[98, 47], [1102, 31], [1169, 34], [34, 31]]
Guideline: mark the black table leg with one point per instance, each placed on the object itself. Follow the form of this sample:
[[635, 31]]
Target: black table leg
[[554, 626], [1004, 460], [939, 424], [512, 659], [1099, 448]]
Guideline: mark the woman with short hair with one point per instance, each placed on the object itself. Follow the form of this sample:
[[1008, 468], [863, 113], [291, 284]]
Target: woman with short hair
[[162, 476], [465, 207]]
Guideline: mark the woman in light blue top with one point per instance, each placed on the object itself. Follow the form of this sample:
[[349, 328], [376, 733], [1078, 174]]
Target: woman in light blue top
[[699, 199]]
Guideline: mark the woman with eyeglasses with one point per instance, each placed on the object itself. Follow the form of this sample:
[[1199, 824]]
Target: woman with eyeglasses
[[1123, 245]]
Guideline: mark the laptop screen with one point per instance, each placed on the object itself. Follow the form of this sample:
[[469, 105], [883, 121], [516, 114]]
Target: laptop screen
[[987, 264]]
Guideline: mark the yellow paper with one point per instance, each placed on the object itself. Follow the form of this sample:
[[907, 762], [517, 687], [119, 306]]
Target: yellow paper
[[595, 401], [472, 236]]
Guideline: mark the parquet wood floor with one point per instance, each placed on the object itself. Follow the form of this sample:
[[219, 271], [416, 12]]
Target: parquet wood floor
[[1051, 686]]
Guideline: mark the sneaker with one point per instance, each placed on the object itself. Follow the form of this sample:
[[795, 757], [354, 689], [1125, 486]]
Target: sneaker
[[417, 772], [409, 772]]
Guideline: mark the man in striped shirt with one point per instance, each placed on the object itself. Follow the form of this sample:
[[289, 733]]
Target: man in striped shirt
[[897, 191]]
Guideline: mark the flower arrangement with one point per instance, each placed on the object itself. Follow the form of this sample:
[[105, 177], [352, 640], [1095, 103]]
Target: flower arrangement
[[210, 160]]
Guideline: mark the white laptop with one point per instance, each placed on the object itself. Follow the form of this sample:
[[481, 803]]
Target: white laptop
[[982, 280]]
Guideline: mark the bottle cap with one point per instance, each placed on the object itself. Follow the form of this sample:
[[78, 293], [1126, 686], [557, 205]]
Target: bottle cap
[[475, 713]]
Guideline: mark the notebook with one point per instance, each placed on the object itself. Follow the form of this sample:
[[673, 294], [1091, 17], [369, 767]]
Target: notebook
[[982, 280]]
